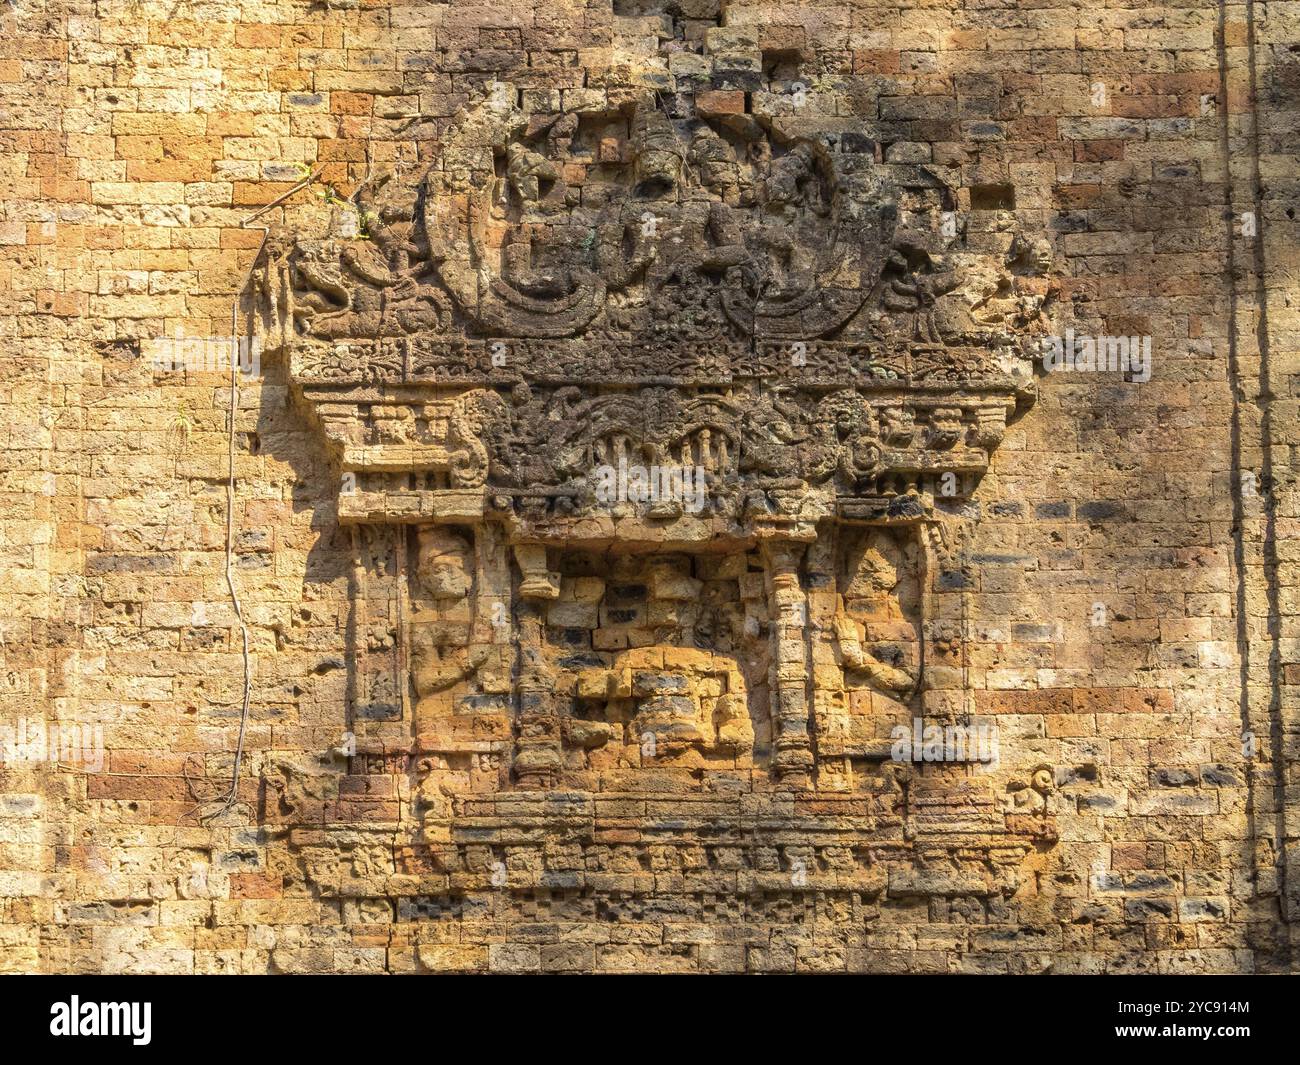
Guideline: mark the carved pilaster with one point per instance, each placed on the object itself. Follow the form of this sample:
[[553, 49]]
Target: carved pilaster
[[792, 757], [538, 758]]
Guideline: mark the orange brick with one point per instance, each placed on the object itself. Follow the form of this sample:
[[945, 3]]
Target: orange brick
[[254, 886], [351, 103], [875, 62], [1123, 700], [257, 36], [169, 170], [722, 102], [1038, 701], [258, 193]]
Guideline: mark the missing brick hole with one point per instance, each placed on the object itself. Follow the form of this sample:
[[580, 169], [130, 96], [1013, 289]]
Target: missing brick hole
[[782, 64], [647, 8], [992, 198], [118, 349]]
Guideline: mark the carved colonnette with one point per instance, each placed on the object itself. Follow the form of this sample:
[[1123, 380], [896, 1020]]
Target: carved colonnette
[[656, 418]]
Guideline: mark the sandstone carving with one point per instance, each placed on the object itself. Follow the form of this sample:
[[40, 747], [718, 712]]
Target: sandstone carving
[[707, 388]]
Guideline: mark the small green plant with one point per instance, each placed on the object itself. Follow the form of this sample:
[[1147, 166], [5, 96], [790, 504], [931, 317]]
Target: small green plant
[[332, 199], [182, 426]]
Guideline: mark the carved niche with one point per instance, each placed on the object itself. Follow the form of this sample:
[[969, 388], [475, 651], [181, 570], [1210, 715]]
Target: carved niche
[[514, 344]]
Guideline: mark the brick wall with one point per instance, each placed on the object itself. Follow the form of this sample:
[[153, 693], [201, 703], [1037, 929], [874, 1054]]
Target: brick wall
[[1129, 602]]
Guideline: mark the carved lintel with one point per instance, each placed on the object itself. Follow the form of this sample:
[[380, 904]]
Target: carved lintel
[[399, 506]]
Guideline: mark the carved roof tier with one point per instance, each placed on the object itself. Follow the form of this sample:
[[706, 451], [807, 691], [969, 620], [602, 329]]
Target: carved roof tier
[[771, 306]]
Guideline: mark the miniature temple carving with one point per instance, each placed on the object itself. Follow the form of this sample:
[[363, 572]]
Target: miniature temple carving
[[668, 413]]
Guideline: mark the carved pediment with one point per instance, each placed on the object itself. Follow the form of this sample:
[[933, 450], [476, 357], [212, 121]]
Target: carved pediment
[[559, 292]]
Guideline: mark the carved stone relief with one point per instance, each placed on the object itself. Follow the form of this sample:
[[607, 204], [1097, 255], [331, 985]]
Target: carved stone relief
[[671, 417]]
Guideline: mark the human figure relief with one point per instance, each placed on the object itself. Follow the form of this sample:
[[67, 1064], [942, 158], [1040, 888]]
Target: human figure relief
[[671, 701], [871, 601], [857, 659], [442, 656], [1030, 796]]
